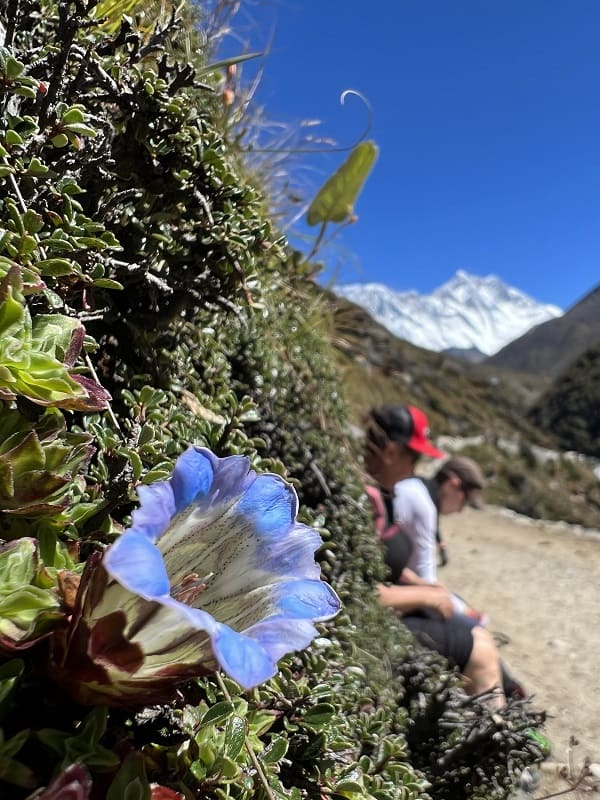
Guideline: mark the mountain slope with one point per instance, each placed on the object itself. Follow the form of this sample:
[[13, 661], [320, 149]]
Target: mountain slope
[[553, 345], [468, 312], [569, 408], [461, 398]]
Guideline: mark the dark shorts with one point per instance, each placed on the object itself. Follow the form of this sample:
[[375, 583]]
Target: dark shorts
[[453, 637]]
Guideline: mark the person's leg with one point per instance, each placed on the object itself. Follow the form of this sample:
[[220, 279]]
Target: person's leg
[[483, 669], [512, 687], [471, 648]]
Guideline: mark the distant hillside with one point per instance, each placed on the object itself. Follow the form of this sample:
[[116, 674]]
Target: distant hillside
[[462, 398], [570, 407], [552, 346], [471, 354], [471, 313]]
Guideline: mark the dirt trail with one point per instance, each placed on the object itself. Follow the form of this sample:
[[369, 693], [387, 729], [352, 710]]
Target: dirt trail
[[540, 584]]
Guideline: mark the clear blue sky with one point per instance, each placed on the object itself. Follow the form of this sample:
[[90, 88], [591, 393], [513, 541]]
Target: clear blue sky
[[487, 116]]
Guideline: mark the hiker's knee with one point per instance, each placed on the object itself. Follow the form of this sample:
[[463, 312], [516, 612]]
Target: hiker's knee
[[484, 654], [484, 646], [483, 672]]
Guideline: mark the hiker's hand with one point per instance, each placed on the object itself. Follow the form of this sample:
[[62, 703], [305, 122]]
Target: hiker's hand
[[441, 601], [443, 554]]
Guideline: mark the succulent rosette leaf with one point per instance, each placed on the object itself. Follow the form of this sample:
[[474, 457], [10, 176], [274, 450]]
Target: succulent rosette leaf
[[39, 463], [36, 355], [214, 572], [28, 612]]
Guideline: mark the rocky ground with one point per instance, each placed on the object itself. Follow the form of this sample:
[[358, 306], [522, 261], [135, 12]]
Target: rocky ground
[[540, 584]]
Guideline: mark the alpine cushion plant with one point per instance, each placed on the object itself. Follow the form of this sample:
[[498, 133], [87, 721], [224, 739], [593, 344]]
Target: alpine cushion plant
[[214, 572]]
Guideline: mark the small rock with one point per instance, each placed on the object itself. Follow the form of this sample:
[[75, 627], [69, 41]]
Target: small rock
[[594, 769], [529, 780]]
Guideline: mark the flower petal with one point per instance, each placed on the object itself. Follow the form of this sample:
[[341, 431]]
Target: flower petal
[[269, 505], [292, 556], [137, 564], [307, 600], [243, 658], [232, 478], [280, 635], [201, 478], [157, 506], [192, 477]]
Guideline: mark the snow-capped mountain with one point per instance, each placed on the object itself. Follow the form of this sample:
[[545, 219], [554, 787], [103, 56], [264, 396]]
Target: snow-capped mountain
[[468, 312]]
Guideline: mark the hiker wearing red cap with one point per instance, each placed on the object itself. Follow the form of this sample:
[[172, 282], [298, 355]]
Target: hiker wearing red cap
[[395, 438]]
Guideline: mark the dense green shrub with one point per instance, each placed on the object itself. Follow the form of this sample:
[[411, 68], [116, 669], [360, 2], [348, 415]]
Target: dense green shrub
[[136, 260], [568, 409], [548, 487]]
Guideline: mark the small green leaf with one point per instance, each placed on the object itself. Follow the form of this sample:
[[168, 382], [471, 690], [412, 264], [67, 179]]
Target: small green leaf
[[80, 129], [32, 221], [12, 138], [35, 167], [58, 266], [235, 736], [130, 782], [14, 68], [136, 465], [198, 770], [27, 245], [58, 243], [228, 768], [319, 715], [207, 754], [107, 283], [218, 713], [60, 140], [73, 114], [335, 200], [26, 91], [275, 750], [349, 788]]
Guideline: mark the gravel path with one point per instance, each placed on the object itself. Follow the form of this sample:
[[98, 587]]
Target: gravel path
[[540, 584]]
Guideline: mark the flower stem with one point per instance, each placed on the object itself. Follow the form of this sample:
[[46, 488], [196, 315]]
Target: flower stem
[[249, 749]]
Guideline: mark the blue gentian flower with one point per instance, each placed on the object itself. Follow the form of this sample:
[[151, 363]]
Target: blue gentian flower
[[214, 572]]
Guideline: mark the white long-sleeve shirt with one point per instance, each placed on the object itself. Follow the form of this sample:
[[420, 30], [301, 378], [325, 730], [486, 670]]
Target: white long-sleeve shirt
[[415, 512]]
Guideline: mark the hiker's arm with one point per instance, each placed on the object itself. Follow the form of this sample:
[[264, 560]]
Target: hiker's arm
[[405, 599], [410, 578]]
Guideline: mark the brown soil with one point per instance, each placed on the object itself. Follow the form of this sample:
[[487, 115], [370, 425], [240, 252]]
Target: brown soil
[[540, 584]]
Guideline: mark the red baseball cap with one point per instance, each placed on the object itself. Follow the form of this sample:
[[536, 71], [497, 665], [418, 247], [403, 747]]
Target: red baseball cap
[[405, 424], [419, 441]]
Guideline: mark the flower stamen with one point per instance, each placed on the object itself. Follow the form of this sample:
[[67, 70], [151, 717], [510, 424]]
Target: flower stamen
[[190, 587]]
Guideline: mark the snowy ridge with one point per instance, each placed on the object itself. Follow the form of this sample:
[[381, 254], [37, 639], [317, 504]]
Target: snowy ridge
[[469, 311]]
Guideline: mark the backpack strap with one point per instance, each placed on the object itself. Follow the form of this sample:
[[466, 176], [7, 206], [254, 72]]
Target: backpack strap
[[385, 529]]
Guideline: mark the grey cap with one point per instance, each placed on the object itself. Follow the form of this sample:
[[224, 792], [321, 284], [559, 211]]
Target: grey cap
[[470, 475]]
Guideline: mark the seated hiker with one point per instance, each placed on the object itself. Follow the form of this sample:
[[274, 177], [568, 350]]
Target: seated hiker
[[427, 611], [457, 483], [450, 638], [412, 503], [395, 437]]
